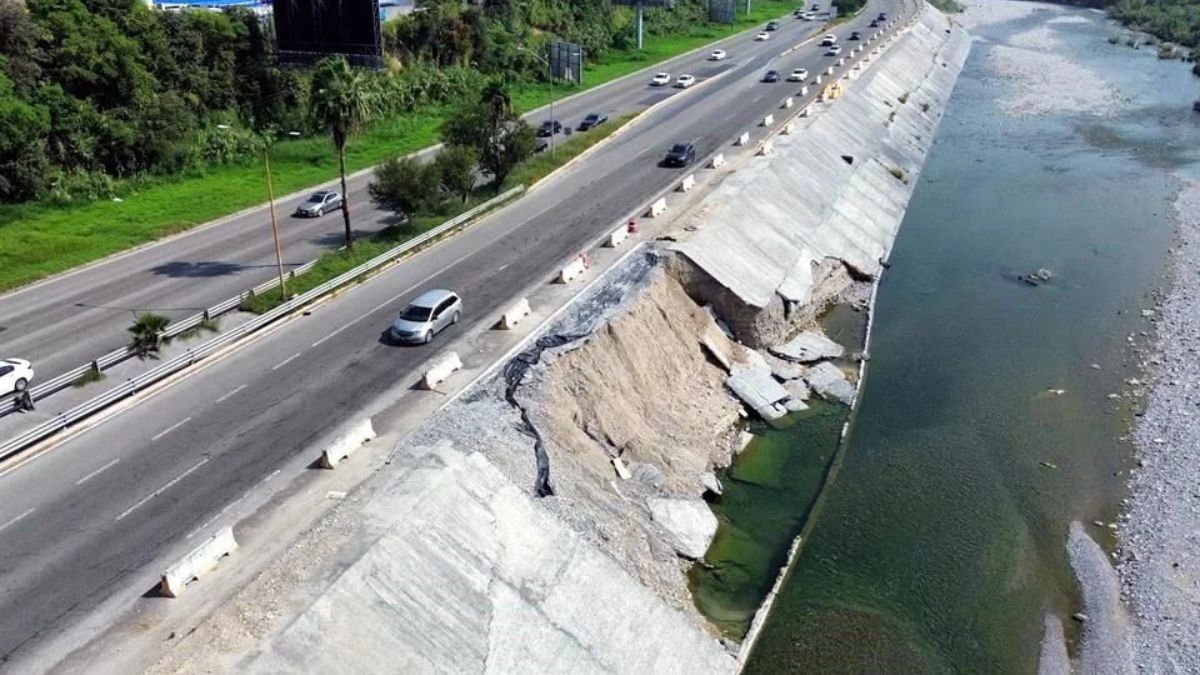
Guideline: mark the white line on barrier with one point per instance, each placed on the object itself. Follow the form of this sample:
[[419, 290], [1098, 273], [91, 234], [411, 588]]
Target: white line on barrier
[[162, 489], [18, 519], [97, 472], [171, 428], [286, 361], [231, 393]]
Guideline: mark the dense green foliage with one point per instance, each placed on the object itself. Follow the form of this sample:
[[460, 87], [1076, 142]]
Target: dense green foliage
[[93, 91], [1176, 21]]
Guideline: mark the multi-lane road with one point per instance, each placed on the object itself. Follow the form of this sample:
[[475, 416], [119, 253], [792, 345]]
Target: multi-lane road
[[70, 320], [85, 518]]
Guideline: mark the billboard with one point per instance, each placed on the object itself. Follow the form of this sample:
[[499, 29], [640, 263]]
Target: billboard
[[309, 30], [566, 61], [721, 11]]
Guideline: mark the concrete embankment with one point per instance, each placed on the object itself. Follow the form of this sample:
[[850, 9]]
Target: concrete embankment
[[620, 411]]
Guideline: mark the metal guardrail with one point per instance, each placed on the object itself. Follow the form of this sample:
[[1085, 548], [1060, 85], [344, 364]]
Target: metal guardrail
[[138, 382]]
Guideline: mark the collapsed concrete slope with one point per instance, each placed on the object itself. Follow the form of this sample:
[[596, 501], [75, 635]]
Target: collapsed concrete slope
[[779, 238]]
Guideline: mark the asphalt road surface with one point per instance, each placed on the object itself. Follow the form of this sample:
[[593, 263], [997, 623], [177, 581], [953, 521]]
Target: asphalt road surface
[[70, 320], [79, 522]]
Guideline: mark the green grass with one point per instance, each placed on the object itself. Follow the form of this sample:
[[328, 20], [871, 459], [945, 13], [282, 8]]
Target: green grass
[[334, 263], [87, 378], [39, 240]]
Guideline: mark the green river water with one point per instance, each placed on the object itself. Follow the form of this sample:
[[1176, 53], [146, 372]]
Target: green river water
[[940, 543]]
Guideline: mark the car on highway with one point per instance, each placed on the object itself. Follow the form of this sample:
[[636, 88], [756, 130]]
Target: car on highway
[[833, 50], [318, 204], [592, 120], [681, 154], [15, 375], [815, 8], [431, 313], [549, 128], [882, 16], [798, 75], [717, 55], [762, 37], [685, 81], [830, 39], [771, 76], [661, 79], [774, 25], [874, 24], [855, 36]]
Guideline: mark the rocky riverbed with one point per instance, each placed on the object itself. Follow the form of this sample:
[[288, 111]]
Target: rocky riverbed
[[1160, 538]]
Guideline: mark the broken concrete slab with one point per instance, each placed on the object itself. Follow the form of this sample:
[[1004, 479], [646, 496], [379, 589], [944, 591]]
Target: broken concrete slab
[[808, 347], [711, 483], [795, 405], [782, 369], [690, 523], [760, 391], [798, 389], [830, 382]]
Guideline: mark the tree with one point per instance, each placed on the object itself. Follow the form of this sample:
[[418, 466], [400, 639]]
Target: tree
[[147, 334], [492, 127], [455, 166], [404, 184], [341, 103]]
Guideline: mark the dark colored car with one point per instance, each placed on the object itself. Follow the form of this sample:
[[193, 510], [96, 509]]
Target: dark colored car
[[771, 76], [549, 128], [681, 154], [816, 8], [774, 25], [592, 120], [855, 36], [882, 16], [874, 24]]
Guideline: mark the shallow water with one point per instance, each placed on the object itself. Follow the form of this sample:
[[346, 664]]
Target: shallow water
[[941, 541]]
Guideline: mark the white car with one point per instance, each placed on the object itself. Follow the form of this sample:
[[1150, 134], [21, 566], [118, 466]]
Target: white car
[[15, 375], [807, 16], [685, 81], [798, 75], [834, 50], [661, 79], [717, 55], [830, 39], [762, 37]]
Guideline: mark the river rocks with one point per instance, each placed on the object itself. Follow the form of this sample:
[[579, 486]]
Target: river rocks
[[782, 369], [689, 523], [830, 382], [798, 389], [647, 473], [760, 391], [808, 347], [712, 484]]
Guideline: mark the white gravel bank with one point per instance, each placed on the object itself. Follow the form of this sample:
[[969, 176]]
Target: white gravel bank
[[1160, 539]]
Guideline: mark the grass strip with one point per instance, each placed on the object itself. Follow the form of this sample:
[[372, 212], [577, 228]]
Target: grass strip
[[38, 240]]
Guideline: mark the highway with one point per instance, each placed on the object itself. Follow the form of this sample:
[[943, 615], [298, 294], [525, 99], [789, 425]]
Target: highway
[[47, 322], [80, 522]]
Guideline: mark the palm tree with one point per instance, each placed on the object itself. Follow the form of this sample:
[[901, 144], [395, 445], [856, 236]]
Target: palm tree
[[147, 334], [342, 103]]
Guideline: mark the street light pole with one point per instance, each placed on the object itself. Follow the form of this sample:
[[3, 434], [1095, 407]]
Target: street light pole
[[550, 73], [274, 224]]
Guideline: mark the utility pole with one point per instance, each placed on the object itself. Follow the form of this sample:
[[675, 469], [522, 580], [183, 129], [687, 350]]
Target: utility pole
[[641, 6], [550, 73], [274, 224]]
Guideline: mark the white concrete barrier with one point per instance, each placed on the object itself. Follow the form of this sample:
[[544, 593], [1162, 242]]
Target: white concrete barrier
[[829, 70], [768, 120], [743, 139], [519, 311], [688, 182], [658, 208], [443, 366], [787, 102], [617, 237], [842, 61], [202, 560], [817, 80], [804, 91], [718, 161], [790, 128], [768, 147], [345, 444]]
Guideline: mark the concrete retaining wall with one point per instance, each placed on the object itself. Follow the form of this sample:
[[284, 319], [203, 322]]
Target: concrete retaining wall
[[760, 253]]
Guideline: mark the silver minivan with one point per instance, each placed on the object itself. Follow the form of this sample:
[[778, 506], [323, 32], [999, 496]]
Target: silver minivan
[[427, 316]]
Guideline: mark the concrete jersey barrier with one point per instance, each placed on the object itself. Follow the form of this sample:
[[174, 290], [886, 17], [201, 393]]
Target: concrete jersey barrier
[[202, 560], [658, 208], [617, 237], [573, 269], [440, 369], [688, 182], [513, 316], [343, 446]]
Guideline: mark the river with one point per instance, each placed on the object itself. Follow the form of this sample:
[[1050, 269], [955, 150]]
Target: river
[[985, 424]]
